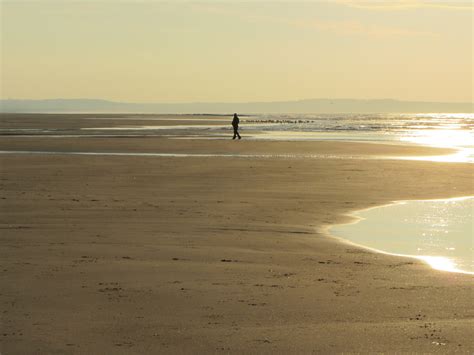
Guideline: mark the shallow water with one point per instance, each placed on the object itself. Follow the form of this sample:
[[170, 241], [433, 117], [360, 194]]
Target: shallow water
[[191, 155], [439, 232]]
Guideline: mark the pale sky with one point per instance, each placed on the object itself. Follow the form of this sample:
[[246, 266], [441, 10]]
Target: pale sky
[[181, 51]]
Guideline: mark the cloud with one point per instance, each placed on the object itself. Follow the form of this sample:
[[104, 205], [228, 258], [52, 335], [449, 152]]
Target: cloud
[[388, 5], [346, 28], [356, 28]]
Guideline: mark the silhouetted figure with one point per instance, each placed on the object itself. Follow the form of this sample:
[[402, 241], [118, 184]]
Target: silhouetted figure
[[235, 124]]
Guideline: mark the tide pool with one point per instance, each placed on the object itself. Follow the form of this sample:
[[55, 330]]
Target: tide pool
[[439, 232]]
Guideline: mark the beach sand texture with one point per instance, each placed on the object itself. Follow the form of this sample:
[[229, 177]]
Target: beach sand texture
[[127, 255]]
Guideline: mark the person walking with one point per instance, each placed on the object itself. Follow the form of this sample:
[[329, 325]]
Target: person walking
[[235, 124]]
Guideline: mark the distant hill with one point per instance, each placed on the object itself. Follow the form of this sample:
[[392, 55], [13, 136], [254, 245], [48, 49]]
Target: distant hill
[[302, 106]]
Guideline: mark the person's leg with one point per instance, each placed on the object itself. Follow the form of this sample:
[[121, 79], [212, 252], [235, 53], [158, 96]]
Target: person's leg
[[239, 135], [235, 133]]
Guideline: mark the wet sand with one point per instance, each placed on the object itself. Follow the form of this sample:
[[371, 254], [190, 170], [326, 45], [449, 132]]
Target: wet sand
[[203, 255]]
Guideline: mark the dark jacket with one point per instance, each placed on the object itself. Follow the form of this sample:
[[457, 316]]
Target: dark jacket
[[235, 122]]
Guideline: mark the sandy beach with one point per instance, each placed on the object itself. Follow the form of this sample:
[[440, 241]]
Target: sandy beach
[[236, 177], [130, 254]]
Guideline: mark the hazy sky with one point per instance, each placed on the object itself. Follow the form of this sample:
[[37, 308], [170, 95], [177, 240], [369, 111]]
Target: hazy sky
[[237, 51]]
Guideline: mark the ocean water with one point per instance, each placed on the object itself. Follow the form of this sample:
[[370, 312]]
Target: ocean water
[[439, 232], [444, 130]]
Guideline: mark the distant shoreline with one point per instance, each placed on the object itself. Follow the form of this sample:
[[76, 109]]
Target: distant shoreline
[[316, 106]]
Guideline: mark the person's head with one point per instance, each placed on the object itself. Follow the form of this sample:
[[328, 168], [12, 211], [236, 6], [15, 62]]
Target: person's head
[[235, 115]]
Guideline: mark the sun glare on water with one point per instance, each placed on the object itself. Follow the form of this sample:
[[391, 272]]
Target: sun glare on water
[[446, 138], [441, 263], [459, 139]]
